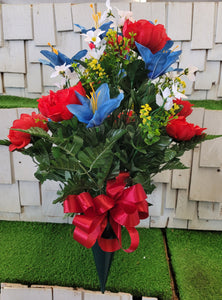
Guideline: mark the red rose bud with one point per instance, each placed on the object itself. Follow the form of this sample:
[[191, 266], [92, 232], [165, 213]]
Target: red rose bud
[[20, 139], [186, 107], [54, 105], [181, 130], [147, 34]]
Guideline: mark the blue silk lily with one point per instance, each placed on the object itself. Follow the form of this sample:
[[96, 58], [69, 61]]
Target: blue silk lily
[[104, 28], [56, 58], [96, 109], [159, 63]]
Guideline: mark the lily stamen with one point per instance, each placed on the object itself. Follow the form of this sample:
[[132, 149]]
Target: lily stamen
[[95, 16], [174, 48], [94, 98], [53, 49]]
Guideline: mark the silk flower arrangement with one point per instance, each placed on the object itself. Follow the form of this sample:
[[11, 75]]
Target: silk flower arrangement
[[105, 137]]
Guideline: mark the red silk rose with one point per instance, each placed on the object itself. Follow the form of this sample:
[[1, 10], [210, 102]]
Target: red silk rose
[[20, 139], [187, 107], [149, 35], [54, 105], [181, 130]]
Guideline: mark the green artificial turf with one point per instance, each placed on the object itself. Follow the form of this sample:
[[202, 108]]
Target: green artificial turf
[[7, 101], [45, 253], [208, 104], [196, 258]]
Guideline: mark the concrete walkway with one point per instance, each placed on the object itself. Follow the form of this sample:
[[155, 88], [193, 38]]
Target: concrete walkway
[[36, 292]]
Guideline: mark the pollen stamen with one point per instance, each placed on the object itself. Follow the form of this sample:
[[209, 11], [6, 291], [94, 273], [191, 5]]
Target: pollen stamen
[[93, 99], [53, 49]]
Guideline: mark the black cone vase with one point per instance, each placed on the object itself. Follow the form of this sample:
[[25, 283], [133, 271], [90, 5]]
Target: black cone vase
[[103, 262]]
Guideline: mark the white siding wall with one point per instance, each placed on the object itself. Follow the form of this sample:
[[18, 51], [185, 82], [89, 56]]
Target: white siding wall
[[184, 198], [27, 26]]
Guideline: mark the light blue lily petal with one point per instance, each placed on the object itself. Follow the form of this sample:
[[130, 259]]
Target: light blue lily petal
[[82, 112], [46, 62], [95, 121], [84, 100], [105, 110], [109, 106], [103, 92]]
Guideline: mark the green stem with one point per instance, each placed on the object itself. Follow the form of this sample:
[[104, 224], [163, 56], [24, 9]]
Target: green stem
[[81, 166]]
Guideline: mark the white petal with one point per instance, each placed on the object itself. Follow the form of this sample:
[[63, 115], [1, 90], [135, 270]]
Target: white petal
[[169, 104], [166, 93], [159, 100]]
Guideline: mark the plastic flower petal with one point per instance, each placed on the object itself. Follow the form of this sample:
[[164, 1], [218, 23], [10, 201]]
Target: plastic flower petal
[[106, 13], [96, 53], [165, 99], [176, 93], [191, 71], [159, 63], [93, 36], [60, 70], [123, 16], [105, 27], [96, 109], [56, 58]]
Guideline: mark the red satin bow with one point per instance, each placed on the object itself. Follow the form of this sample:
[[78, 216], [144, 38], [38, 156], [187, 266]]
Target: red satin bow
[[120, 207]]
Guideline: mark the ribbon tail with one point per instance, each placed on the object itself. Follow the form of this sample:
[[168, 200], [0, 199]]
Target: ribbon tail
[[134, 237]]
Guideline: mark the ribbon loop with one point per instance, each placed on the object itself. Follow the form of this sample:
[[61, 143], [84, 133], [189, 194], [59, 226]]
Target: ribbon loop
[[120, 207]]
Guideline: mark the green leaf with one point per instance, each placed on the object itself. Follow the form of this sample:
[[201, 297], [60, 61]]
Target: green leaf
[[35, 131], [169, 154], [211, 137], [5, 142], [174, 164], [56, 152], [95, 157]]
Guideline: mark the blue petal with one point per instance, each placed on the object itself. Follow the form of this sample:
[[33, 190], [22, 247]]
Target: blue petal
[[83, 29], [79, 55], [159, 63], [64, 59], [46, 62], [95, 121], [82, 99], [103, 92], [82, 112], [109, 106], [105, 110], [52, 57], [105, 27]]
